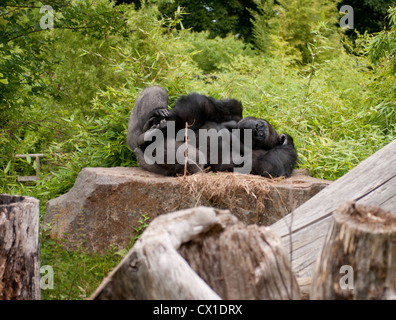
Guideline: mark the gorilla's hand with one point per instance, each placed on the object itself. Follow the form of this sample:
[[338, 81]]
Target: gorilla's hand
[[162, 113], [157, 120]]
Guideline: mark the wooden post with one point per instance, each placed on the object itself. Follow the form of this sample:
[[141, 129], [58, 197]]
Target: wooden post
[[358, 260], [37, 176], [202, 253], [19, 248]]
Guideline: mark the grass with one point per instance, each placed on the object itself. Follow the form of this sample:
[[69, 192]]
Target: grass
[[78, 273]]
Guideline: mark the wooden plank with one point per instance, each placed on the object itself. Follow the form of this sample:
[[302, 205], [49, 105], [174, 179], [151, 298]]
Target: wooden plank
[[384, 196], [32, 155], [28, 178], [373, 182]]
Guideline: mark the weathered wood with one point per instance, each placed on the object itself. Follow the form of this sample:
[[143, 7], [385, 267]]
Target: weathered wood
[[36, 155], [242, 262], [373, 182], [19, 248], [202, 253], [358, 259], [37, 176]]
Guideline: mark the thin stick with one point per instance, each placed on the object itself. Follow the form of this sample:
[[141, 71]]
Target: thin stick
[[186, 150]]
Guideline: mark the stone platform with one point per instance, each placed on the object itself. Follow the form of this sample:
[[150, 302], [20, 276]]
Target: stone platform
[[105, 204]]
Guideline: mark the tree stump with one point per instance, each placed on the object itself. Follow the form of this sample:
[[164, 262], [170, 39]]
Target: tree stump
[[202, 253], [358, 259], [19, 248]]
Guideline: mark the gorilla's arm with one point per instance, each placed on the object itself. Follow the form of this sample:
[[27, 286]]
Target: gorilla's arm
[[197, 109], [150, 107]]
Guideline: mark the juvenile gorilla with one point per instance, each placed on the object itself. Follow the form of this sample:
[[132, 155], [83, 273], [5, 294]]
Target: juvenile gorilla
[[272, 155]]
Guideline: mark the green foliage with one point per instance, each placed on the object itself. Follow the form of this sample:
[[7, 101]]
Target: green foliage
[[212, 55], [260, 20], [292, 28], [24, 44], [382, 52], [369, 15], [383, 45], [219, 18], [76, 273], [39, 67]]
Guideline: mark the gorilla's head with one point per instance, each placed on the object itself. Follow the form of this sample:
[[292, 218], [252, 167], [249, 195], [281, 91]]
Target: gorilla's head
[[264, 135]]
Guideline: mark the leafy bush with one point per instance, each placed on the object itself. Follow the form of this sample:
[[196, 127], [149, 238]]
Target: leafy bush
[[382, 100], [212, 54]]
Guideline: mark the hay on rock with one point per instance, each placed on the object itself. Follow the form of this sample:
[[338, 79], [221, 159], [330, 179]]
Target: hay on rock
[[229, 190]]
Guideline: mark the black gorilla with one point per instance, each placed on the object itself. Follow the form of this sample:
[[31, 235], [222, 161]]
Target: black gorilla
[[271, 155]]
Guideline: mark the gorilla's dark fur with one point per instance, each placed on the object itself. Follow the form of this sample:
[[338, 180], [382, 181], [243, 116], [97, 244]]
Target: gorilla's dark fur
[[272, 155], [197, 109]]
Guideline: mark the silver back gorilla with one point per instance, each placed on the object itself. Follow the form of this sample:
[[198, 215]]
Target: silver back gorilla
[[150, 106]]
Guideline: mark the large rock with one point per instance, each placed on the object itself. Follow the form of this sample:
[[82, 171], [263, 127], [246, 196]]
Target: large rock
[[105, 204]]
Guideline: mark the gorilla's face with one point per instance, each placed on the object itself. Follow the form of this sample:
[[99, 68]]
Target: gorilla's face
[[264, 135]]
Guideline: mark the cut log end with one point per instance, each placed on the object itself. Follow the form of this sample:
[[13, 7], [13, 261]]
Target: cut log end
[[370, 219], [358, 259]]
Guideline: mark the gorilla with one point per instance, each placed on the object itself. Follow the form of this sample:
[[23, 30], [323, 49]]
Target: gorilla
[[149, 113], [271, 155]]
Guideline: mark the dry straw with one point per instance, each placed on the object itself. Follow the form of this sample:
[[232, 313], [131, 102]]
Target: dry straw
[[227, 189]]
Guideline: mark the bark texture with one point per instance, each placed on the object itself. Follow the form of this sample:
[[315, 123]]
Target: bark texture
[[19, 248], [202, 253], [358, 259]]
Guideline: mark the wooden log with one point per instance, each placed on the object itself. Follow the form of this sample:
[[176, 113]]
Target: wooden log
[[19, 248], [358, 259], [202, 253], [242, 262], [373, 182]]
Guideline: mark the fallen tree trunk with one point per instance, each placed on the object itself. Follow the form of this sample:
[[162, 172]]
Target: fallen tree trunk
[[19, 248], [202, 253], [358, 259]]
